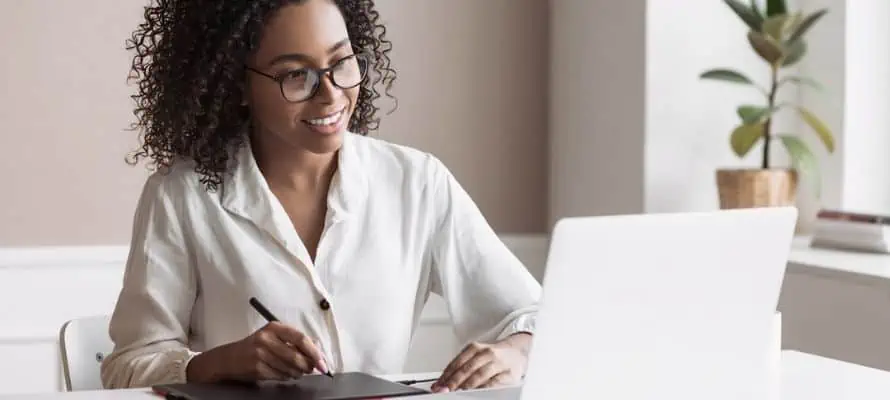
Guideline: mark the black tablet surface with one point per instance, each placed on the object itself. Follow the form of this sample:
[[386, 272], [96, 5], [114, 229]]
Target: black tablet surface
[[345, 386]]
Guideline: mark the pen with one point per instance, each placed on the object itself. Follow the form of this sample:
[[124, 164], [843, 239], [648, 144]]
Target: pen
[[260, 308], [416, 381]]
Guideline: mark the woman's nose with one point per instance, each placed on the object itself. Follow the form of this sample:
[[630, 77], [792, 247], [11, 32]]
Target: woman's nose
[[327, 91]]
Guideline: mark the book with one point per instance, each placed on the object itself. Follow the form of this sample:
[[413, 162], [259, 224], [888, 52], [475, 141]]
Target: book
[[864, 218], [854, 231]]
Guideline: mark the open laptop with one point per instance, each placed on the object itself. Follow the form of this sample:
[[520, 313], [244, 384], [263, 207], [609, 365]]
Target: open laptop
[[659, 306]]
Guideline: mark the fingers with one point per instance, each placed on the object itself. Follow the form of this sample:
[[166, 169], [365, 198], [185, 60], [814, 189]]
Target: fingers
[[465, 355], [307, 347], [481, 364], [497, 380], [266, 372], [479, 375], [308, 357], [271, 361], [474, 360], [280, 356]]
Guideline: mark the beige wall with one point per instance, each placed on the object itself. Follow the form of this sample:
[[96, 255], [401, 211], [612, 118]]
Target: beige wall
[[472, 89], [64, 112]]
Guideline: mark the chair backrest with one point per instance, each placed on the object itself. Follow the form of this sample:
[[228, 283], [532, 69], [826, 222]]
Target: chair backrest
[[84, 343]]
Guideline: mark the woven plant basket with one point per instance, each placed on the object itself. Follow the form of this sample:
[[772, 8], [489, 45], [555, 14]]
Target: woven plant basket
[[752, 188]]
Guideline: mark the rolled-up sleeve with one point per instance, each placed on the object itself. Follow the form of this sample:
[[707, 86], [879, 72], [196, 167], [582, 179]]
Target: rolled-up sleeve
[[150, 323], [489, 293]]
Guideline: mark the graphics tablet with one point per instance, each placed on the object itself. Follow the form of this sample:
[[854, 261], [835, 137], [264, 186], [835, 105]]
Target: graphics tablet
[[345, 386]]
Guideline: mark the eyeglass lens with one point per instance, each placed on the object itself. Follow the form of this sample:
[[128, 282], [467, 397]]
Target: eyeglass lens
[[301, 84]]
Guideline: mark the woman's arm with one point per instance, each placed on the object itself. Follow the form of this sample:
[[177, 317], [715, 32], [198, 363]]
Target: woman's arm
[[490, 294], [150, 323], [492, 298]]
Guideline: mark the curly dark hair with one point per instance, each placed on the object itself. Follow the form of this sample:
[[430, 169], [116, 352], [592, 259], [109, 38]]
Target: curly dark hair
[[189, 63]]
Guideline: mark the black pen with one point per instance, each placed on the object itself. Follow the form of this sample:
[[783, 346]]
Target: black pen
[[260, 308], [410, 382]]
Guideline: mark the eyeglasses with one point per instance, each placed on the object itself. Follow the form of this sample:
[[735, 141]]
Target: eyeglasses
[[301, 84]]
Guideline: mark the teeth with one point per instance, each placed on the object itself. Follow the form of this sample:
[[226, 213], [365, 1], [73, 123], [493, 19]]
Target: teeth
[[325, 121]]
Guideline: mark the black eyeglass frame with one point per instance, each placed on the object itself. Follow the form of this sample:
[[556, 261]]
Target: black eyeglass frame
[[321, 72]]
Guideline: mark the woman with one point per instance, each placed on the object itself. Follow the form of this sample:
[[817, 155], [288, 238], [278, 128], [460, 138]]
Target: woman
[[256, 113]]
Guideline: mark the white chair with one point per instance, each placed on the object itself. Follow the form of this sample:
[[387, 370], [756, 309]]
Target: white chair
[[84, 343]]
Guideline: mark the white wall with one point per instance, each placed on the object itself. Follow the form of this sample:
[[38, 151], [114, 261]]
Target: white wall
[[826, 63], [688, 121], [633, 128], [849, 55]]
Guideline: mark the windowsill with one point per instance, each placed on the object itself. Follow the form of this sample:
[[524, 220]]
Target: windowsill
[[861, 264]]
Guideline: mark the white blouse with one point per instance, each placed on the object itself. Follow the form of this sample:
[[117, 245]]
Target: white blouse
[[398, 227]]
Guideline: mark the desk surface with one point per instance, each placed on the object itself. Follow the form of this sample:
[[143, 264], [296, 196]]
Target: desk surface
[[871, 265], [145, 394], [804, 377]]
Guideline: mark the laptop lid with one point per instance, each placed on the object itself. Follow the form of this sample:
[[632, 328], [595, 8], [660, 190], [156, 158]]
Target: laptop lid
[[661, 306]]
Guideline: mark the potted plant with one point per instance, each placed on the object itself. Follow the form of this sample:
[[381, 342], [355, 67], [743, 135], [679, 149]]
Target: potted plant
[[776, 35]]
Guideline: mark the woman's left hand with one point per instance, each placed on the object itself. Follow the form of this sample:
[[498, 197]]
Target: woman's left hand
[[486, 365]]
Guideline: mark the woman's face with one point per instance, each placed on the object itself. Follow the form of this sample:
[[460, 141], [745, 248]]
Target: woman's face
[[298, 38]]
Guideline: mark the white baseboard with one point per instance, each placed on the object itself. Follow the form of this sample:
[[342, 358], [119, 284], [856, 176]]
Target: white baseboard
[[62, 256]]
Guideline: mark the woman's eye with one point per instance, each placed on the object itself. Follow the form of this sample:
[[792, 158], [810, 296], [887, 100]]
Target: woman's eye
[[295, 75], [343, 62], [300, 73]]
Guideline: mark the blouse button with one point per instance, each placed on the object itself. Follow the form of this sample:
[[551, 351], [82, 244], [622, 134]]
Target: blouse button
[[324, 304]]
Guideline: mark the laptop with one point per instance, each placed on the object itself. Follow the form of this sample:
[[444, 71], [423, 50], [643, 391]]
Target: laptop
[[658, 306]]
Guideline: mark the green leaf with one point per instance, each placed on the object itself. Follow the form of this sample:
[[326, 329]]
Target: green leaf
[[806, 24], [775, 7], [755, 8], [794, 22], [802, 159], [727, 75], [747, 15], [765, 47], [751, 115], [819, 127], [800, 80], [744, 137], [794, 52], [775, 27]]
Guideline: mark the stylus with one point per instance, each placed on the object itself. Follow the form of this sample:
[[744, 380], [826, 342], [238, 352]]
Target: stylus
[[416, 381]]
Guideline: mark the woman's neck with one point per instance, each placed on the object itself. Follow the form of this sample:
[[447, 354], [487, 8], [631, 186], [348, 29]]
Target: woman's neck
[[288, 167]]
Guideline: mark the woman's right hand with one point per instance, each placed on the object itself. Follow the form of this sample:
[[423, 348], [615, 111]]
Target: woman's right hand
[[274, 352]]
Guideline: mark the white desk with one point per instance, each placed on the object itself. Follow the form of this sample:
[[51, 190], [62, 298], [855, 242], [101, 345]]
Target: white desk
[[804, 377], [836, 304], [146, 394], [868, 266]]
